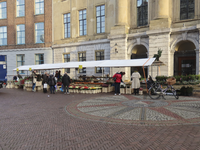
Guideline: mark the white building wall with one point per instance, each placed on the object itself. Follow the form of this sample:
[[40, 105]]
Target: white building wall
[[29, 58]]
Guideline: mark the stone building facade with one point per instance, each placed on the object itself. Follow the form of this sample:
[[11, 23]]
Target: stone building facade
[[128, 29], [25, 33]]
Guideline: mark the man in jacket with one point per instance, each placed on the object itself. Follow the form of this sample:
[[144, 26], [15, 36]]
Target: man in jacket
[[66, 81], [52, 83], [118, 77]]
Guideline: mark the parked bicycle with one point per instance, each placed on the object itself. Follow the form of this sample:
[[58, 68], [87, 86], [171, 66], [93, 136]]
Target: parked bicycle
[[155, 89]]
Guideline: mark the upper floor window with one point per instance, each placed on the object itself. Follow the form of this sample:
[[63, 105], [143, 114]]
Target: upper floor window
[[39, 7], [187, 9], [3, 35], [20, 8], [99, 56], [67, 25], [67, 59], [82, 57], [39, 32], [21, 34], [82, 22], [142, 12], [3, 10], [20, 61], [100, 16], [39, 59]]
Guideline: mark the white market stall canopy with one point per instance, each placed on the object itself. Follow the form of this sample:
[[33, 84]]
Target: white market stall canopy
[[87, 64]]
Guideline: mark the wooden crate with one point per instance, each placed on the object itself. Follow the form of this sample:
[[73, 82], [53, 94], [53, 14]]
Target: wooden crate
[[123, 90], [104, 89], [128, 90]]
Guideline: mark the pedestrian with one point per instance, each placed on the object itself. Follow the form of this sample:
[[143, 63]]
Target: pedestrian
[[34, 79], [45, 81], [117, 79], [136, 82], [52, 83], [66, 81]]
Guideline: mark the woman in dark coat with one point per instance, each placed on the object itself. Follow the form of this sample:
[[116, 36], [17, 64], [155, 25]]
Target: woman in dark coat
[[52, 83], [66, 81]]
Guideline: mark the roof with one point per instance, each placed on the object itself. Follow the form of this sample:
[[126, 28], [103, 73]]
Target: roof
[[89, 64]]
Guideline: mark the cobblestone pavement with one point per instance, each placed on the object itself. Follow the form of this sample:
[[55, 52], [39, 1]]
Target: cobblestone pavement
[[34, 121]]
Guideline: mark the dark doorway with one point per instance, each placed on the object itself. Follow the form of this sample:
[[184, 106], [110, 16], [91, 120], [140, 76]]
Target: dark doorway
[[139, 52], [185, 59]]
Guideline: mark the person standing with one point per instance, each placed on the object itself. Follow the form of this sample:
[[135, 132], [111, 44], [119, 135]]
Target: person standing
[[52, 83], [136, 81], [66, 81], [34, 79], [117, 78], [45, 81]]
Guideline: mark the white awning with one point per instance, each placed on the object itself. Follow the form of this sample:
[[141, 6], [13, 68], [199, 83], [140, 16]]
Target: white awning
[[89, 64]]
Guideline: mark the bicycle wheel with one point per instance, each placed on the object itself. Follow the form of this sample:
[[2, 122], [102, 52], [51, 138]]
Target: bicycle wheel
[[154, 92], [175, 93]]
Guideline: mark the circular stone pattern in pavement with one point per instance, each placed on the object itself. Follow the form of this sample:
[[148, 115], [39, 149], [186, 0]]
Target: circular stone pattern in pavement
[[136, 111]]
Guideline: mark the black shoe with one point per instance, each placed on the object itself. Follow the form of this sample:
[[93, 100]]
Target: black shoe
[[53, 92]]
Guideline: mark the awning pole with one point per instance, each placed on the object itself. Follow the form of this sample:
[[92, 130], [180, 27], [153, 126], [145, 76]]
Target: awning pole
[[145, 74]]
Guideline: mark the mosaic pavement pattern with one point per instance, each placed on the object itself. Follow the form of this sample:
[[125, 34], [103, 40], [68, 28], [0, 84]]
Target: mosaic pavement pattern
[[138, 110]]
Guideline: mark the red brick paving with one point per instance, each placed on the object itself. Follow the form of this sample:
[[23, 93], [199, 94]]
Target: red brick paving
[[32, 121]]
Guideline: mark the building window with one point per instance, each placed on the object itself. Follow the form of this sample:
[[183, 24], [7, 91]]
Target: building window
[[39, 7], [39, 32], [142, 12], [39, 59], [67, 25], [99, 56], [100, 16], [82, 57], [67, 59], [82, 22], [186, 9], [20, 8], [3, 10], [3, 35], [21, 34], [20, 61]]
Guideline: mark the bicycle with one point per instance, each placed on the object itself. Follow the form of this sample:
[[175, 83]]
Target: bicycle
[[155, 90]]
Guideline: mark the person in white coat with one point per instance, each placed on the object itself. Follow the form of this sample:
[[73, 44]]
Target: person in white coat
[[135, 81]]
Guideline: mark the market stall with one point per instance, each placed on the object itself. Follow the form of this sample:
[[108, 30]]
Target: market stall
[[91, 64]]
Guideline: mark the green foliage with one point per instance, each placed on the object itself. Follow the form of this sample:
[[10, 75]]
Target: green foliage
[[158, 55]]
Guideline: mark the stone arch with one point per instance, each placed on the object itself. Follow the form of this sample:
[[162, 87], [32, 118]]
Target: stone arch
[[132, 45], [180, 55]]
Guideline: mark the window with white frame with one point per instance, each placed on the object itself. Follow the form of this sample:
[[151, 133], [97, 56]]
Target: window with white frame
[[99, 56], [39, 32], [82, 57], [20, 8], [39, 59], [3, 10], [67, 59], [39, 7], [3, 35], [20, 61], [187, 9], [82, 22], [21, 34], [100, 18], [142, 12], [67, 25]]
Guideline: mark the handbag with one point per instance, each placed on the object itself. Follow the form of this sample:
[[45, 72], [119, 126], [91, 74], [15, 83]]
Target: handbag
[[114, 78]]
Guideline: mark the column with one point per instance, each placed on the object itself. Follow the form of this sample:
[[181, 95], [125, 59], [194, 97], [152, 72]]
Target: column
[[197, 61]]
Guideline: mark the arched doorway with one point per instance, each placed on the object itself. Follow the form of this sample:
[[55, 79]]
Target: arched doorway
[[185, 58], [138, 52]]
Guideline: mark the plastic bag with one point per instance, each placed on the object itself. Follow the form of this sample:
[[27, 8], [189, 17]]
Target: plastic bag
[[45, 85]]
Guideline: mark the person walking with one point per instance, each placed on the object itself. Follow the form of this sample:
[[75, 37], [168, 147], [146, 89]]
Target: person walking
[[66, 81], [34, 79], [136, 81], [52, 83], [117, 78]]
